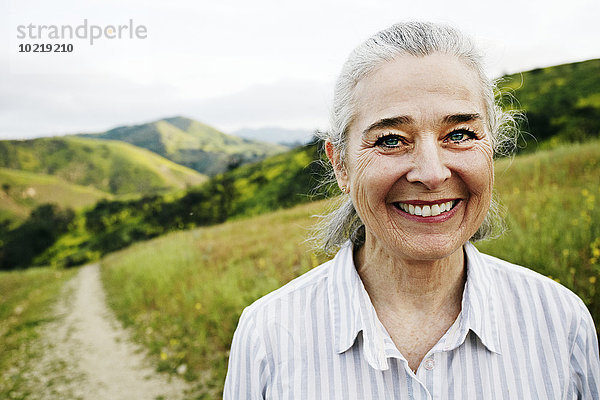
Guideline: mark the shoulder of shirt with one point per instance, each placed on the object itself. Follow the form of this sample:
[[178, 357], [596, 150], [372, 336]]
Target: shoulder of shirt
[[315, 277], [512, 272]]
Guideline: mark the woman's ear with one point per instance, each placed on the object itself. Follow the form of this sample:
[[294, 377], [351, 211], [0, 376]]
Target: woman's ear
[[338, 166]]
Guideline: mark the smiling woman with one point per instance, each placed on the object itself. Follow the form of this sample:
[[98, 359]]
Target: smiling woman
[[408, 308], [421, 143]]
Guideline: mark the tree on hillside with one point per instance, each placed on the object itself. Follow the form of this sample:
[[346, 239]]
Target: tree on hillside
[[43, 227]]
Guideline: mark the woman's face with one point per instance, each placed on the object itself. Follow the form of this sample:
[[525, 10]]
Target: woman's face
[[419, 158]]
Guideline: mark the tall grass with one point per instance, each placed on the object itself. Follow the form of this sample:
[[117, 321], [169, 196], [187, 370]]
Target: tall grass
[[183, 293], [554, 217], [25, 301]]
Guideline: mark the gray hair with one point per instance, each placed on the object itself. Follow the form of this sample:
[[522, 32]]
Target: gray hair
[[417, 39]]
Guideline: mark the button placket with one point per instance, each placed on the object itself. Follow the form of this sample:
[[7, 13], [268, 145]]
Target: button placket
[[429, 364], [432, 374]]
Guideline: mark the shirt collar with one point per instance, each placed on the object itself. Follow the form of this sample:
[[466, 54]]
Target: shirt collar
[[352, 311], [343, 289], [479, 311]]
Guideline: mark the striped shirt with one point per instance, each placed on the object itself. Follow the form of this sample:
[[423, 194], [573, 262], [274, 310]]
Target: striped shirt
[[519, 335]]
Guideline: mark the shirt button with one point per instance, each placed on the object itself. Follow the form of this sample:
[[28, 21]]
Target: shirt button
[[429, 364]]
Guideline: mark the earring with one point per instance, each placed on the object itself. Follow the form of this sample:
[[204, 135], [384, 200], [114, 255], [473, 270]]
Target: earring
[[344, 189]]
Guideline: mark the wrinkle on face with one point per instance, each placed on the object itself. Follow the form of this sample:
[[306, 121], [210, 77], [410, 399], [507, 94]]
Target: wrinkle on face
[[421, 100]]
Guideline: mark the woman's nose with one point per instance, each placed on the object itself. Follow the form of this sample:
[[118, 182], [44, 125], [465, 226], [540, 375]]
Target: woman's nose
[[428, 167]]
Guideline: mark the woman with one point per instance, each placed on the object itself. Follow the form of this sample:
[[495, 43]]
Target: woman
[[408, 308]]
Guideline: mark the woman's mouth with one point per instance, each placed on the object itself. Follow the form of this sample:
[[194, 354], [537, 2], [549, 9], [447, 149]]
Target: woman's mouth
[[427, 210]]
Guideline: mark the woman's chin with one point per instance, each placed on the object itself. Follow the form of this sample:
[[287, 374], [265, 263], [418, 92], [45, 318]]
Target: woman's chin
[[429, 247]]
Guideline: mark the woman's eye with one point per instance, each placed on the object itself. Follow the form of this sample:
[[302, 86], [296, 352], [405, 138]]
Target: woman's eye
[[389, 141], [460, 136]]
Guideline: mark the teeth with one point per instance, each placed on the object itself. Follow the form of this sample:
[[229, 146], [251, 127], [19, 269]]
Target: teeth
[[426, 211]]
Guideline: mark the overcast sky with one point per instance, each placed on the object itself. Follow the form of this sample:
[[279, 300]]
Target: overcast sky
[[239, 63]]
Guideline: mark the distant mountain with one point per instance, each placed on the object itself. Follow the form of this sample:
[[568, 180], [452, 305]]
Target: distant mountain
[[192, 144], [562, 103], [286, 137], [109, 166]]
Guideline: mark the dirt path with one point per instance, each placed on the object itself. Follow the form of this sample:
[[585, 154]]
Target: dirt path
[[89, 356]]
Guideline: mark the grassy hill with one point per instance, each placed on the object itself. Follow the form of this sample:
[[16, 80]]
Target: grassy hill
[[562, 103], [192, 143], [279, 181], [109, 166], [183, 293], [22, 191]]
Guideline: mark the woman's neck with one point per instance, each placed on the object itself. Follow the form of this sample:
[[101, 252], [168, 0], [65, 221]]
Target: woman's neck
[[401, 285]]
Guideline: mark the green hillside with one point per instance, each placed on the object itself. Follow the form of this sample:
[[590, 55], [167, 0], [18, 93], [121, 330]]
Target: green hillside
[[277, 182], [562, 103], [192, 143], [183, 293], [21, 191], [109, 166]]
